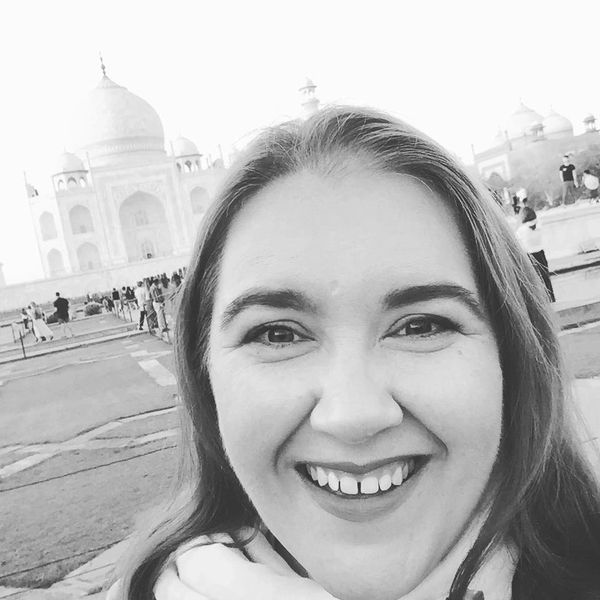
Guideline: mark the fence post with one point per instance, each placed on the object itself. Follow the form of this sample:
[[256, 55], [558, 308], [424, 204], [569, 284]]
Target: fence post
[[22, 345]]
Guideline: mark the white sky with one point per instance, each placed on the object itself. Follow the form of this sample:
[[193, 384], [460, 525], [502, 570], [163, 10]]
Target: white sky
[[216, 70]]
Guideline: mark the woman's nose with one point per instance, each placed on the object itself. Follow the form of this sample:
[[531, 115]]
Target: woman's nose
[[353, 405]]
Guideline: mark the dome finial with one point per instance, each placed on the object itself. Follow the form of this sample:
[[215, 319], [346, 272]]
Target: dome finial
[[102, 66]]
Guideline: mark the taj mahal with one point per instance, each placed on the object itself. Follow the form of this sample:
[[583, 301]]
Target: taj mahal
[[124, 204]]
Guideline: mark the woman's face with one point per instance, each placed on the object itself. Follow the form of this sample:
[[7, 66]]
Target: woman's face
[[356, 378]]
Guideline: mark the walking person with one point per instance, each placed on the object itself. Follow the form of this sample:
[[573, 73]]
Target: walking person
[[568, 177], [142, 296], [42, 331], [158, 302], [530, 238], [62, 315], [116, 298], [25, 321], [149, 308]]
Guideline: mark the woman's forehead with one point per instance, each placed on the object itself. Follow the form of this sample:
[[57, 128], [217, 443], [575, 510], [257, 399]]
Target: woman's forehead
[[363, 228]]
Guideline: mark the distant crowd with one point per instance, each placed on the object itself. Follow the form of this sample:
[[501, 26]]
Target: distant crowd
[[153, 296]]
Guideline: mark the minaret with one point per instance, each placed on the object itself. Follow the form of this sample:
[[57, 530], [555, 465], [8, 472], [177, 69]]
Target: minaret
[[308, 99], [2, 280], [102, 65]]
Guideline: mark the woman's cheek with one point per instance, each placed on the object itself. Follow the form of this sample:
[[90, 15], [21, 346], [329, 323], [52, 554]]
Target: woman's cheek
[[260, 401], [454, 393]]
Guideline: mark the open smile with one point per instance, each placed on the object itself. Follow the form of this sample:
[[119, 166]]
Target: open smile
[[357, 493]]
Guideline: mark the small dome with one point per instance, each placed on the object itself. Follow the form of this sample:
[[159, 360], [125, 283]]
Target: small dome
[[590, 118], [184, 147], [557, 125], [520, 122], [68, 162], [308, 83], [113, 125]]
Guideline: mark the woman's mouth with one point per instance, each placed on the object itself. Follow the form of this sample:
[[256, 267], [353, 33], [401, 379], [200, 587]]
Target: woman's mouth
[[353, 486]]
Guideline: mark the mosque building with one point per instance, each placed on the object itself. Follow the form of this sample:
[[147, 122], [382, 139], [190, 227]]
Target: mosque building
[[121, 205], [120, 198], [530, 144]]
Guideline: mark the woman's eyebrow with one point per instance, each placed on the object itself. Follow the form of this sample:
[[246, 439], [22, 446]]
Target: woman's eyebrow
[[284, 298], [434, 291]]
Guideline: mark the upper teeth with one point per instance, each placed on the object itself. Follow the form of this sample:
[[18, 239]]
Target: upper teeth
[[369, 483]]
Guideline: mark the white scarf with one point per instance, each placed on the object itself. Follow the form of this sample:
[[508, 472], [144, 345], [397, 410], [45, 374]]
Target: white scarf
[[206, 569]]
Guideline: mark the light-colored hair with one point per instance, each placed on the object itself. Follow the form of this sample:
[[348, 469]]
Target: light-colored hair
[[542, 493]]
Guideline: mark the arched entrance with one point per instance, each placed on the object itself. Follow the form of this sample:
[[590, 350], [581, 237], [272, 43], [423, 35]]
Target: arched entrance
[[88, 257], [81, 220], [56, 266], [144, 227], [47, 226], [200, 200]]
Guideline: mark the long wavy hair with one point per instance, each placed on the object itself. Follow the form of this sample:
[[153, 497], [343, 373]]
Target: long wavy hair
[[544, 498]]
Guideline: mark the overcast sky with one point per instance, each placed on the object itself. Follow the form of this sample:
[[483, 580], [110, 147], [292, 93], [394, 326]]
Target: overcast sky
[[217, 70]]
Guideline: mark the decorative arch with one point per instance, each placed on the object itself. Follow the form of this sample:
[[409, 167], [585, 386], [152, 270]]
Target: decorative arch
[[144, 227], [56, 266], [71, 182], [88, 257], [47, 226], [81, 220], [200, 200]]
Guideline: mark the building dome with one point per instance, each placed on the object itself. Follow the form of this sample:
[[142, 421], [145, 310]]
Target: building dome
[[308, 83], [115, 126], [68, 163], [520, 122], [556, 125], [184, 147]]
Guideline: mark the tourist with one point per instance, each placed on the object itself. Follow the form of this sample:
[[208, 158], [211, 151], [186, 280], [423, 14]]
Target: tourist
[[591, 183], [158, 303], [515, 204], [130, 296], [62, 315], [41, 330], [568, 177], [142, 296], [151, 319], [372, 389], [25, 321], [116, 299], [530, 238]]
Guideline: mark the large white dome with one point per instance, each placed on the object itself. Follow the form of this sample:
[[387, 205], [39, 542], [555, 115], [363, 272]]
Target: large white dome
[[520, 122], [115, 126], [556, 125]]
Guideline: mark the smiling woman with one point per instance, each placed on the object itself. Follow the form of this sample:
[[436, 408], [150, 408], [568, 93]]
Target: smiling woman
[[374, 403]]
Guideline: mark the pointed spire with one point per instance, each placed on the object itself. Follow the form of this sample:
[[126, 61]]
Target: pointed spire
[[102, 66]]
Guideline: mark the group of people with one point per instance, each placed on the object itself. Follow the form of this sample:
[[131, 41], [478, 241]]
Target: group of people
[[151, 296], [570, 183], [33, 319]]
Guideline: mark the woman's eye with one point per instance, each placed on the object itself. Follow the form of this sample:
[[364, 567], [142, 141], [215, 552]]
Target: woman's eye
[[423, 327], [275, 334]]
